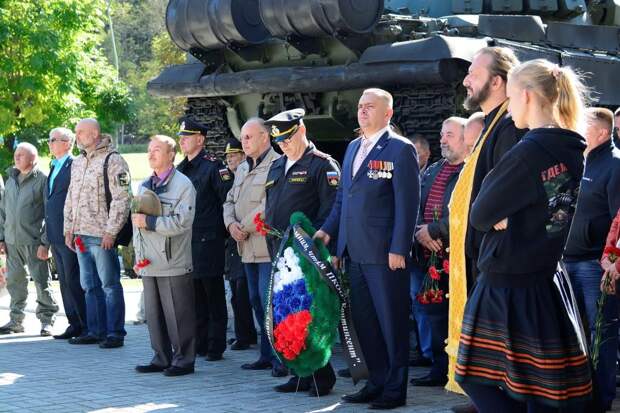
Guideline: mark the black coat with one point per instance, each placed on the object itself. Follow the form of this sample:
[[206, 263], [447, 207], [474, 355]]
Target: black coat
[[55, 203], [599, 199], [309, 187], [501, 139], [535, 186], [212, 181]]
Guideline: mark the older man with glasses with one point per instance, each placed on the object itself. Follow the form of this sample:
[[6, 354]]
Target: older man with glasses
[[61, 142]]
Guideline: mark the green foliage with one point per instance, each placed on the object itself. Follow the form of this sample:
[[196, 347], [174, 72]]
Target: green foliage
[[51, 70], [133, 148], [144, 49]]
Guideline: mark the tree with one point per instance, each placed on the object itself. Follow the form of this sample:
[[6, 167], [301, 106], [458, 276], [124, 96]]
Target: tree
[[144, 49], [52, 71]]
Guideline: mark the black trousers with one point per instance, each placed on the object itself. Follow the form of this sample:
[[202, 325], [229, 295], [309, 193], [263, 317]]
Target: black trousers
[[70, 289], [211, 315], [169, 308], [245, 330], [324, 377]]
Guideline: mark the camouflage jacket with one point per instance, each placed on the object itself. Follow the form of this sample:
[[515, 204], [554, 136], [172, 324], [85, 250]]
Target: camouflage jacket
[[86, 212]]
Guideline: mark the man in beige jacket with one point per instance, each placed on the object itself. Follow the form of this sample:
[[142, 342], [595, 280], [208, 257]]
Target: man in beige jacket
[[244, 201]]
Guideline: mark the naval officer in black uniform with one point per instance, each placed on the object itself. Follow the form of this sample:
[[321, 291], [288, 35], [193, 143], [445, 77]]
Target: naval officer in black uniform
[[304, 180], [212, 181]]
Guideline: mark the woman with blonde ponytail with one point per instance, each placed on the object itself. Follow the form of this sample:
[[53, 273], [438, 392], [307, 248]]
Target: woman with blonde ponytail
[[519, 350]]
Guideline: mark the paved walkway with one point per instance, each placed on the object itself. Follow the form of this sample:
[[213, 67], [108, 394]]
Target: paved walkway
[[44, 375]]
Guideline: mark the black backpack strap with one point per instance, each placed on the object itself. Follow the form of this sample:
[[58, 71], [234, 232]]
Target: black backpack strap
[[106, 180]]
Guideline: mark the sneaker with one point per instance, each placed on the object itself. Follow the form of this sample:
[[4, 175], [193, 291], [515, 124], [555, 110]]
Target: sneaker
[[46, 330], [12, 327]]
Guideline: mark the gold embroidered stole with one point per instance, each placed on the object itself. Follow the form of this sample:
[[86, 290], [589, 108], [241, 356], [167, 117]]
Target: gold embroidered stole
[[459, 216]]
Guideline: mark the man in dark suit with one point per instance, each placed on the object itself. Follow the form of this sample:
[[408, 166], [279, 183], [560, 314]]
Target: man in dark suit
[[373, 220], [61, 142]]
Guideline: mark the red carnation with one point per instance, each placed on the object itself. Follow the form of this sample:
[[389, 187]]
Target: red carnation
[[290, 335], [79, 243], [432, 271], [446, 266], [612, 253]]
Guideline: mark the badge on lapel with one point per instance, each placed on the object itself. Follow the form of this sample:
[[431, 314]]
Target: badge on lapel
[[380, 169]]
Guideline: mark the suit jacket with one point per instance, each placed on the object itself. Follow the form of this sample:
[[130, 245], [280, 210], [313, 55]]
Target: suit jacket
[[55, 203], [373, 217]]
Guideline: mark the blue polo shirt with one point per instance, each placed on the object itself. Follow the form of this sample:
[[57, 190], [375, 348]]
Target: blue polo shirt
[[57, 165]]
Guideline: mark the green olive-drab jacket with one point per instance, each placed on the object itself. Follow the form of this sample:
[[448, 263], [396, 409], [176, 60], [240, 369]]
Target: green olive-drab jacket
[[22, 208]]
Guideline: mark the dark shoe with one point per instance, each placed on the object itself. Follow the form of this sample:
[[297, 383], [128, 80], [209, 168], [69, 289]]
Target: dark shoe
[[295, 384], [173, 371], [149, 368], [257, 365], [386, 404], [214, 356], [230, 341], [362, 396], [69, 333], [12, 327], [279, 371], [237, 345], [428, 381], [46, 330], [464, 408], [344, 373], [111, 342], [85, 339], [420, 362], [319, 390]]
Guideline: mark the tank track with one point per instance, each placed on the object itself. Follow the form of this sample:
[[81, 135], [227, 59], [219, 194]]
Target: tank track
[[212, 113], [422, 110]]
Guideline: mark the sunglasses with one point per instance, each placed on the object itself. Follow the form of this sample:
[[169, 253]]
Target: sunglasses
[[52, 140]]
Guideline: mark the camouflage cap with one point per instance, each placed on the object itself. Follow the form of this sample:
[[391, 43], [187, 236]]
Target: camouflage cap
[[147, 203]]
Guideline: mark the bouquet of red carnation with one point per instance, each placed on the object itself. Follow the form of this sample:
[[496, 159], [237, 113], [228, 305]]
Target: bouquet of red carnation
[[263, 228], [430, 293]]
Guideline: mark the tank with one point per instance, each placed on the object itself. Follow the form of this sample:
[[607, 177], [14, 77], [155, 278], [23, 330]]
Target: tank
[[259, 57]]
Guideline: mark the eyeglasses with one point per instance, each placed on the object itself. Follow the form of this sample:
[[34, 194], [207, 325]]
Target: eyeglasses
[[52, 140]]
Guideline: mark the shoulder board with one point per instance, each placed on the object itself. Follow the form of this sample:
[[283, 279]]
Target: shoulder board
[[320, 154]]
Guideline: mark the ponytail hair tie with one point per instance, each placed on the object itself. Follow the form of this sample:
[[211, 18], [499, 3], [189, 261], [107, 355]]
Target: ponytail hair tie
[[556, 71]]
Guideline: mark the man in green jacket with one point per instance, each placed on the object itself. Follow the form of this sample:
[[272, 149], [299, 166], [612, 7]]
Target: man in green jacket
[[21, 232]]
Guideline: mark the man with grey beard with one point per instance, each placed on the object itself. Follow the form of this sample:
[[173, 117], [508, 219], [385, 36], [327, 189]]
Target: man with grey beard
[[432, 236]]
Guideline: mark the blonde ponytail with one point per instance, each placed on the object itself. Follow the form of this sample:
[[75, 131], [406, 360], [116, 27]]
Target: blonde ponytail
[[560, 87], [571, 96]]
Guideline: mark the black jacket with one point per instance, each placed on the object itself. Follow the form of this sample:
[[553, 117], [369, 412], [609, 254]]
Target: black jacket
[[598, 202], [212, 181], [440, 228], [535, 186], [309, 186], [502, 138]]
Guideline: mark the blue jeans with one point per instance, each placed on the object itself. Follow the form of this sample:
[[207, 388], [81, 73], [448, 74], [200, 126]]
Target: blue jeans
[[419, 315], [100, 277], [258, 275], [586, 277]]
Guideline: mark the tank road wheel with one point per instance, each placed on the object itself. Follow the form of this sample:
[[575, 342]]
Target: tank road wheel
[[212, 113], [423, 109]]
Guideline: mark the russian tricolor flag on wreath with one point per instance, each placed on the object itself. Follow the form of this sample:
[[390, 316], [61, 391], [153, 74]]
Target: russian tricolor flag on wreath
[[307, 303]]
